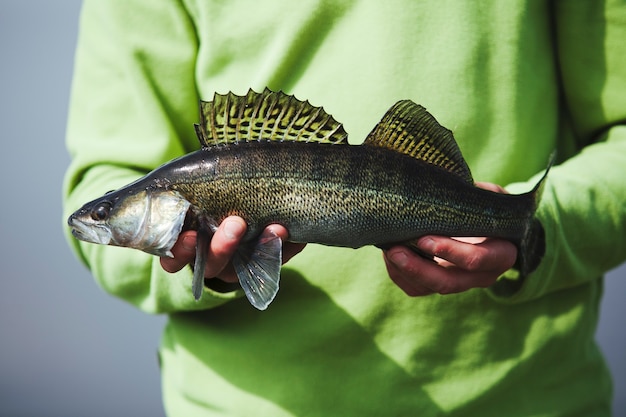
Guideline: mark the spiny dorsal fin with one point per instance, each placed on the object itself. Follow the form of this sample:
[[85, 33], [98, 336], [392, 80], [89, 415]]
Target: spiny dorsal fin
[[408, 128], [266, 116]]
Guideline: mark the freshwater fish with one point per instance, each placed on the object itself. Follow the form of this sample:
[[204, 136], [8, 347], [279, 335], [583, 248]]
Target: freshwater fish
[[271, 158]]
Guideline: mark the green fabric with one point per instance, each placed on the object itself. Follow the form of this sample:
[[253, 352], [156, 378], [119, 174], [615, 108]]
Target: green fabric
[[514, 81]]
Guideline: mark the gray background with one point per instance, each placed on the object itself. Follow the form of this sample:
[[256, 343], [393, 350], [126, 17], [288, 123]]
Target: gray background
[[67, 348]]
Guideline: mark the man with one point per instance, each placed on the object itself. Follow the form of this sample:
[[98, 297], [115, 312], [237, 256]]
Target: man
[[513, 82]]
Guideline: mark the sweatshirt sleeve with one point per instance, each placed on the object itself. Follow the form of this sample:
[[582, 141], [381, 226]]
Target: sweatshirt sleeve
[[583, 207], [132, 108]]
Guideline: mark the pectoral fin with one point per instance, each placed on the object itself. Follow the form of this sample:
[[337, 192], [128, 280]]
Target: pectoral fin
[[202, 249], [258, 268]]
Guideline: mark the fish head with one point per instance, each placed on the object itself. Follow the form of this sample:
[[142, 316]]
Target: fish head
[[146, 219]]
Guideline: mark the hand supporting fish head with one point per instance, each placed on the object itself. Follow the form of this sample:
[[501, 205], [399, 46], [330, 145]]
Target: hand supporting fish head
[[148, 219]]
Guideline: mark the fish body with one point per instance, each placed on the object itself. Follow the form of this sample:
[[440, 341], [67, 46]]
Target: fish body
[[270, 158], [341, 195]]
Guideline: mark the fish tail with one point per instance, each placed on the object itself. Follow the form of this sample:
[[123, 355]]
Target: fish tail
[[532, 248], [537, 190], [533, 244]]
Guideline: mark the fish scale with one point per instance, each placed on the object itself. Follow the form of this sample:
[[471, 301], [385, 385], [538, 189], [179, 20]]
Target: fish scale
[[357, 191]]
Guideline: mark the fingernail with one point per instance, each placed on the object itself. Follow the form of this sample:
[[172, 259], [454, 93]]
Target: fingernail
[[189, 243], [233, 229], [399, 258], [426, 244]]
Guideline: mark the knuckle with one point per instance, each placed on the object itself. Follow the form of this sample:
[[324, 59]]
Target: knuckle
[[446, 289], [450, 282], [474, 262], [442, 286]]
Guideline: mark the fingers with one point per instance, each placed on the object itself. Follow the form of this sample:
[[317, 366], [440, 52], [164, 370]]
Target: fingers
[[401, 267], [289, 249], [184, 252], [223, 245], [473, 254], [219, 266], [491, 187], [459, 265]]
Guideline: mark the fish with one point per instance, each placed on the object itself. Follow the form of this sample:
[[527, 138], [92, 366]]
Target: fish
[[271, 158]]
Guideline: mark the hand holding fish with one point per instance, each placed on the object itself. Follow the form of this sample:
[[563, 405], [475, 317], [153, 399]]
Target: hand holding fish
[[223, 246], [460, 263]]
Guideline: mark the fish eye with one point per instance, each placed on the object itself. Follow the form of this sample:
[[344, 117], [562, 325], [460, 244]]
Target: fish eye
[[101, 212]]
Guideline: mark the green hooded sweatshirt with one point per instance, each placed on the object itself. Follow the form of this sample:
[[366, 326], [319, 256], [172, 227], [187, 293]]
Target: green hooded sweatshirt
[[513, 80]]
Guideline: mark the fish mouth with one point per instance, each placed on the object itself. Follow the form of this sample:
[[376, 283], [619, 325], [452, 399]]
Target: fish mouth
[[93, 233]]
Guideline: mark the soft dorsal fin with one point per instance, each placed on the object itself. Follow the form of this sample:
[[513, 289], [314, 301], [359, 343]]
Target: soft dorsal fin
[[408, 128], [266, 116]]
